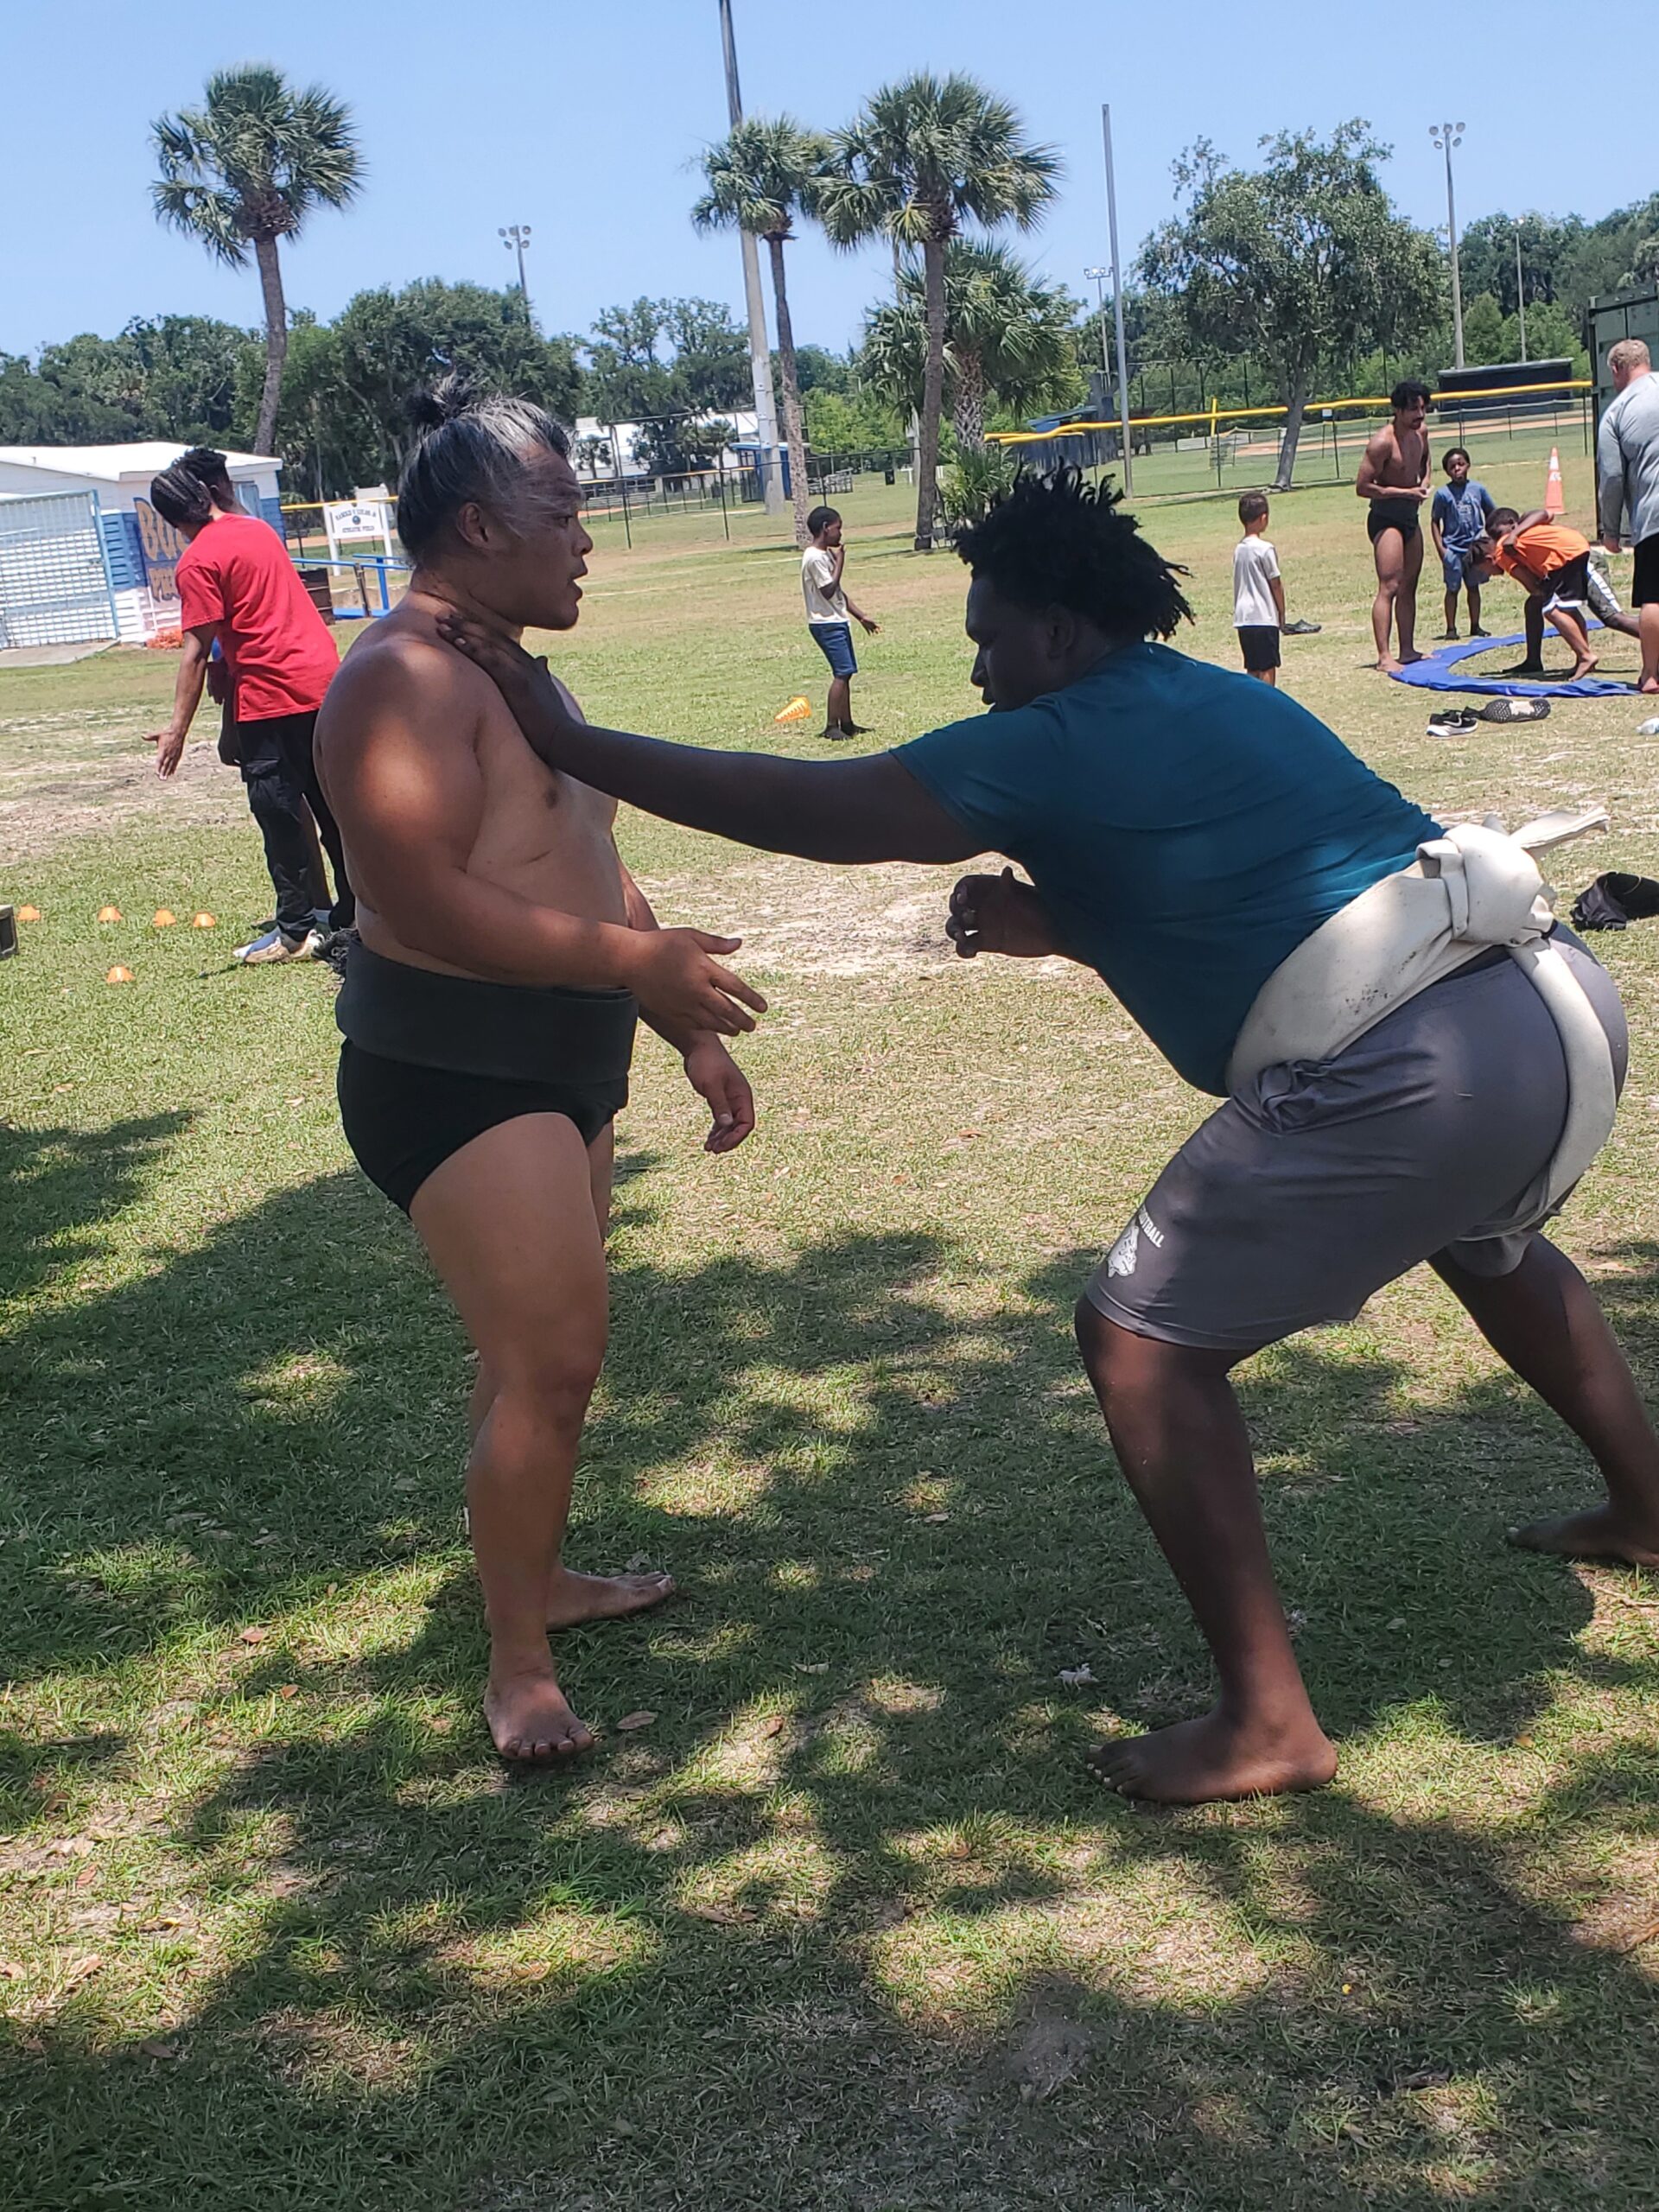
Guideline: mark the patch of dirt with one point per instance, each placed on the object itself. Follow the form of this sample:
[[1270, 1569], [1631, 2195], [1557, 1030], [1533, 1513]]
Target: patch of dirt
[[73, 775], [797, 917]]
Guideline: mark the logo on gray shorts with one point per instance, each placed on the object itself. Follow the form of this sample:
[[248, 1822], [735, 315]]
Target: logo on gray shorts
[[1120, 1260]]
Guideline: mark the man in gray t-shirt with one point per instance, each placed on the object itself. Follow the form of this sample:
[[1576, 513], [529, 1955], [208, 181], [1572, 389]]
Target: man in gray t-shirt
[[1627, 462]]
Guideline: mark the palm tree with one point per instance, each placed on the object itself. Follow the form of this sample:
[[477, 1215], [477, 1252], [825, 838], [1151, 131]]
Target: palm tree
[[923, 156], [1006, 332], [759, 179], [244, 170]]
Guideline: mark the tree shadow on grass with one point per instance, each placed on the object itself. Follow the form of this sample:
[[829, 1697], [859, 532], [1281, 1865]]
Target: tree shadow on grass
[[845, 1925]]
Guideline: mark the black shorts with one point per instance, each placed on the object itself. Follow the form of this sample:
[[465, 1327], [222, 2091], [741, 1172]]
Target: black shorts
[[432, 1061], [1644, 584], [1570, 583], [1404, 515], [402, 1122], [1259, 643]]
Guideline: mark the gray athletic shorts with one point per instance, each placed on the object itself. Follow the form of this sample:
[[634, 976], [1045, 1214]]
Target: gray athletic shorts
[[1325, 1179]]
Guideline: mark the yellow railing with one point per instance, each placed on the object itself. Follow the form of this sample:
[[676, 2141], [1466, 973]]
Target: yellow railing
[[1316, 408]]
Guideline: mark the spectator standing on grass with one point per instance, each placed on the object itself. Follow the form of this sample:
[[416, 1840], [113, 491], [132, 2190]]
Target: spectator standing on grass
[[830, 615], [1462, 509], [238, 588], [1627, 460], [1258, 592]]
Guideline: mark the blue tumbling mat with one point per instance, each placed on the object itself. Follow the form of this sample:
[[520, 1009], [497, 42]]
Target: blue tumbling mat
[[1438, 671]]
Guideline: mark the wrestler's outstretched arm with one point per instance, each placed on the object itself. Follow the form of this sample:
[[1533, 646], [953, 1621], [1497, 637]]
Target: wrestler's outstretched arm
[[871, 809]]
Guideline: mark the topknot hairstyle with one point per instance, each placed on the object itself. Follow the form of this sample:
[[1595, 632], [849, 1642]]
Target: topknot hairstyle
[[180, 497], [1055, 541], [472, 449]]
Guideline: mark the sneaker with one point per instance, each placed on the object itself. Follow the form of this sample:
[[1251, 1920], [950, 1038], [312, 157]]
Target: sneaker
[[337, 950], [1299, 629], [263, 952], [1454, 722], [1514, 710]]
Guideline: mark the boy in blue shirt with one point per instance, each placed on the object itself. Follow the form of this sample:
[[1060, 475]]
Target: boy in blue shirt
[[1184, 829], [1459, 517]]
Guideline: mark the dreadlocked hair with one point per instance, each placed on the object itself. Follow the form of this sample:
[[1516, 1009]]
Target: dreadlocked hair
[[1054, 541]]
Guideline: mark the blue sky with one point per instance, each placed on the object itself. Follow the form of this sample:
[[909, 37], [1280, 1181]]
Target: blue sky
[[586, 121]]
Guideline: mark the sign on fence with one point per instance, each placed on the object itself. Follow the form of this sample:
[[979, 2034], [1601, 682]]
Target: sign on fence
[[162, 546]]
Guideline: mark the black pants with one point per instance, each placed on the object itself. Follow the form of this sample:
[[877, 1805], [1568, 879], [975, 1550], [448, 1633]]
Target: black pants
[[286, 800]]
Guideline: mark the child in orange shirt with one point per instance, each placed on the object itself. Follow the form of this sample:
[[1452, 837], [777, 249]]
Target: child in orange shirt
[[1551, 562]]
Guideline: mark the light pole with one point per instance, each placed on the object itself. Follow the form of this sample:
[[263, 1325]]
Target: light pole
[[1117, 296], [1098, 276], [766, 406], [1445, 137], [516, 238], [1520, 292]]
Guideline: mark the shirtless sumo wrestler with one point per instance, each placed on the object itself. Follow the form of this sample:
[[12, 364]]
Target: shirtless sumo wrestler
[[1394, 478], [489, 1012]]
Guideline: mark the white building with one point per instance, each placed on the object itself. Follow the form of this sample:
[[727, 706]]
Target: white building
[[83, 555]]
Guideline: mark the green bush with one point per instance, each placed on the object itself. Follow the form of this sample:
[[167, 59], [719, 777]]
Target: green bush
[[981, 474]]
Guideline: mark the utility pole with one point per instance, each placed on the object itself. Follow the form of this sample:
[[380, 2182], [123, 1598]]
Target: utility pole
[[766, 406], [516, 238], [1520, 292], [1118, 298], [1446, 135]]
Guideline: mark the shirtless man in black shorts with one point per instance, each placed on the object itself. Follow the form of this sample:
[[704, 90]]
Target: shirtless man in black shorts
[[489, 1009], [1394, 479]]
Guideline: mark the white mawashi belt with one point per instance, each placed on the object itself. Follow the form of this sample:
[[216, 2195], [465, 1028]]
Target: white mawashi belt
[[1474, 886]]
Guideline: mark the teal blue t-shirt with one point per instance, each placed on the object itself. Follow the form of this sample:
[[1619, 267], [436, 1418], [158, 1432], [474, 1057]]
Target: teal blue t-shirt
[[1186, 828]]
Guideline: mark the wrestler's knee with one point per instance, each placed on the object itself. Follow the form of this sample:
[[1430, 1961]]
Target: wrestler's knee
[[550, 1384], [1116, 1358]]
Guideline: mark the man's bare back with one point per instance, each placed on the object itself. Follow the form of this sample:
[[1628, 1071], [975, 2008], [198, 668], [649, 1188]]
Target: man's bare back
[[538, 834]]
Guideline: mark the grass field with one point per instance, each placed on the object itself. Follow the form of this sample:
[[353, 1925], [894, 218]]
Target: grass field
[[845, 1925]]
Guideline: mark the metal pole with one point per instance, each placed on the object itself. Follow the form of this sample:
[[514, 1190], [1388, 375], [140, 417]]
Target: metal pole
[[1117, 297], [1449, 135], [1520, 292], [1099, 277], [765, 408]]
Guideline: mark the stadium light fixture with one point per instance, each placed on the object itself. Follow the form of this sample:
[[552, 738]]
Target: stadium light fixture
[[516, 238]]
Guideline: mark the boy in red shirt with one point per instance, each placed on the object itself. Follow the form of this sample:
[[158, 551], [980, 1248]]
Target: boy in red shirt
[[238, 586]]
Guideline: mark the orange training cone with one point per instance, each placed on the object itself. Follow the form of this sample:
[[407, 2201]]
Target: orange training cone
[[204, 921], [1555, 497], [797, 711], [119, 976], [164, 918], [28, 914], [109, 914]]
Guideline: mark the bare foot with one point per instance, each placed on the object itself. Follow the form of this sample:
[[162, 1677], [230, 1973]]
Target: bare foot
[[1525, 668], [530, 1720], [1598, 1535], [1198, 1760], [1406, 660], [1583, 667], [1650, 689], [574, 1599], [1388, 666]]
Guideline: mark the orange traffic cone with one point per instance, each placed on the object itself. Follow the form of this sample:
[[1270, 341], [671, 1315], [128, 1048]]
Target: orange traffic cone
[[164, 918], [109, 914], [204, 921], [119, 976], [798, 710], [1555, 497]]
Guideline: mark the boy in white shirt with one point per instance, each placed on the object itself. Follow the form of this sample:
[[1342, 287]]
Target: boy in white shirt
[[1258, 594], [828, 608]]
